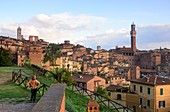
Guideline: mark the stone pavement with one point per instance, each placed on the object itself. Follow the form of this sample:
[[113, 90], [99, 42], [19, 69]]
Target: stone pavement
[[26, 107]]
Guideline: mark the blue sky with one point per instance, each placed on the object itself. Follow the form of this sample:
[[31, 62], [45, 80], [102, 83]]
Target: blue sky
[[89, 22]]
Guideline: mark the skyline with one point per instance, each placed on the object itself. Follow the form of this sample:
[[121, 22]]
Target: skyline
[[90, 23]]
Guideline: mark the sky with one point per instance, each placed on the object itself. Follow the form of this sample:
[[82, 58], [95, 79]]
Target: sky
[[89, 22]]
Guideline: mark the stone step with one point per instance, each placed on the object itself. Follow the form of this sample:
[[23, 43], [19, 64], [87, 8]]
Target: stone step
[[16, 107]]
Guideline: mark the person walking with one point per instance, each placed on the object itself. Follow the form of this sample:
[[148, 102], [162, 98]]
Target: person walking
[[33, 84]]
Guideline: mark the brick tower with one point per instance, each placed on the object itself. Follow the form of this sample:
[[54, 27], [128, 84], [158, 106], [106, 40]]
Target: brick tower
[[92, 106], [133, 38], [19, 36]]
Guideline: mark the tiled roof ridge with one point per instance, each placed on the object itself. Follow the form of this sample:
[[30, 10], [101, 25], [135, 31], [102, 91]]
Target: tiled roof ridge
[[155, 79]]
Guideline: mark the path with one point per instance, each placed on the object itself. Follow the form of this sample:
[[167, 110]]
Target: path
[[16, 107]]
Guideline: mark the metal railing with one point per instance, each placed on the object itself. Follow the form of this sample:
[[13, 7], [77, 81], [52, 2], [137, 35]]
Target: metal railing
[[101, 99]]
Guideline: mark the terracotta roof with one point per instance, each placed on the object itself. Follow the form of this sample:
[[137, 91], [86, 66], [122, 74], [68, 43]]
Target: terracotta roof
[[152, 80], [112, 87], [82, 78], [148, 70], [92, 103]]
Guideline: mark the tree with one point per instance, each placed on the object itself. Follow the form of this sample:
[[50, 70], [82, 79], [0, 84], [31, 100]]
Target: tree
[[27, 62], [52, 52], [102, 92], [5, 58], [63, 75]]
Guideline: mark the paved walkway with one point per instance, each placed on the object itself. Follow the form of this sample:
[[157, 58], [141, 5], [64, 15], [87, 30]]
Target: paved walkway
[[27, 107]]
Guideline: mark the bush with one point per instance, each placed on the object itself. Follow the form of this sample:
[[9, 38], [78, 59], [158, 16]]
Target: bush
[[5, 58]]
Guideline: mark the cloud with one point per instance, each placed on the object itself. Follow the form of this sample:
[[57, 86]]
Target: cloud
[[109, 39], [153, 36], [54, 28], [148, 37], [89, 31]]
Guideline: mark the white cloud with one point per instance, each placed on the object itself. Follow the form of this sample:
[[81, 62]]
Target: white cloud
[[109, 39], [54, 28], [153, 36], [148, 37], [89, 31]]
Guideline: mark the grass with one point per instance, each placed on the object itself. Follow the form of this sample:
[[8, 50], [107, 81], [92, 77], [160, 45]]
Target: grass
[[76, 102], [5, 70], [11, 92], [46, 80]]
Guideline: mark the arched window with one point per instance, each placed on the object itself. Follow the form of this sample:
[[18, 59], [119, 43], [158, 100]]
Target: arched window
[[119, 97], [109, 93]]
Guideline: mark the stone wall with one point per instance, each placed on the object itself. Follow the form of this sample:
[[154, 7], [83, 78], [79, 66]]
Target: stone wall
[[53, 100]]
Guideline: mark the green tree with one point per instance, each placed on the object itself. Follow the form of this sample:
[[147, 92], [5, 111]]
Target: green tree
[[102, 92], [5, 58], [63, 75], [52, 52], [27, 62]]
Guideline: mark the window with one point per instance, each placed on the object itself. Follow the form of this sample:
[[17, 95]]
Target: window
[[141, 89], [109, 93], [161, 104], [161, 91], [149, 91], [140, 101], [119, 97], [148, 103], [134, 87], [134, 108]]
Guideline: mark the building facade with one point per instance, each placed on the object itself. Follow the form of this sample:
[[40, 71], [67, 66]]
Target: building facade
[[153, 94]]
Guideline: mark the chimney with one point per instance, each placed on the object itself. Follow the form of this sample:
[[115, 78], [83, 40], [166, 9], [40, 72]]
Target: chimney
[[147, 79], [81, 77]]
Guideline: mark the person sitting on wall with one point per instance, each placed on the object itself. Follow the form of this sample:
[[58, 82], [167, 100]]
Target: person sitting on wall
[[33, 84]]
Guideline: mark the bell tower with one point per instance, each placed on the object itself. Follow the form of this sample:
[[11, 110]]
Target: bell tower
[[19, 36], [133, 38]]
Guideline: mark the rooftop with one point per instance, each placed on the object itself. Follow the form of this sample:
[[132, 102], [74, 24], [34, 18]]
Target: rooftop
[[152, 80], [82, 78]]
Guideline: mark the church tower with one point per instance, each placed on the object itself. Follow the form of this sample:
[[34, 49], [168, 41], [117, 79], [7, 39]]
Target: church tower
[[19, 36], [133, 38]]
